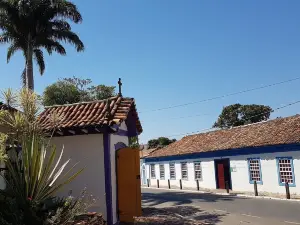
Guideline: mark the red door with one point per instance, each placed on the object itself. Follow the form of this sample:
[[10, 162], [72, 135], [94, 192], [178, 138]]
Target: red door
[[221, 175]]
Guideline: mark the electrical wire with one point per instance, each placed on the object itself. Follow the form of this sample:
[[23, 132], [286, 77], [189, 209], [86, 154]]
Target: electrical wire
[[208, 129], [222, 96]]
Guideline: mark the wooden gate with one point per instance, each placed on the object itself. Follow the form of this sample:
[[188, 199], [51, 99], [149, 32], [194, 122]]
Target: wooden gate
[[129, 184]]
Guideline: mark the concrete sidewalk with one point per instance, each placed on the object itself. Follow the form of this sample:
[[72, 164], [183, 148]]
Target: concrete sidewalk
[[263, 195]]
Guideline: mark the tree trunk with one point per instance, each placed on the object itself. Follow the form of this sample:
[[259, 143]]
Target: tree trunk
[[29, 65]]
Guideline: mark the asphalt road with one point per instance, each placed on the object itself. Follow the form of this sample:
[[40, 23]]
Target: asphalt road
[[223, 209]]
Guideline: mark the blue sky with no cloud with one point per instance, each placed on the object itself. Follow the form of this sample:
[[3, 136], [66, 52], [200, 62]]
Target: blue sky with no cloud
[[173, 52]]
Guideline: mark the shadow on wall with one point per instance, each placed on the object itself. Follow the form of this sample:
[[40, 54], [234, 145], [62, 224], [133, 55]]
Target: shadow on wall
[[179, 215], [181, 198]]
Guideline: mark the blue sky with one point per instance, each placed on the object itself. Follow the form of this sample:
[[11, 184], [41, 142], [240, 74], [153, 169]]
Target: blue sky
[[173, 52]]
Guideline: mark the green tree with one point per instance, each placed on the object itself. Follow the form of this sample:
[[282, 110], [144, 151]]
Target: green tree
[[134, 142], [237, 115], [72, 90], [160, 142], [31, 26], [102, 92], [61, 93]]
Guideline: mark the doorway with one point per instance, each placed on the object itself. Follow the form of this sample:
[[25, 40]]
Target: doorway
[[223, 175], [128, 184], [144, 175]]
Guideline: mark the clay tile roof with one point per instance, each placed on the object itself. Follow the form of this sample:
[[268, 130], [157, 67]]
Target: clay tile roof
[[86, 114], [272, 132], [145, 152], [6, 107]]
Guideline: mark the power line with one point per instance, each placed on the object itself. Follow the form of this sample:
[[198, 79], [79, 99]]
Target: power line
[[184, 117], [208, 129], [222, 96]]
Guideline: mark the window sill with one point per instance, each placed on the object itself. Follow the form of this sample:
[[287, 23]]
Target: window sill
[[290, 185], [259, 182]]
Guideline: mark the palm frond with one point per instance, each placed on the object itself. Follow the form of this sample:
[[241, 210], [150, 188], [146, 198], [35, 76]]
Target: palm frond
[[39, 57], [70, 37], [60, 25], [51, 46], [68, 10], [11, 50]]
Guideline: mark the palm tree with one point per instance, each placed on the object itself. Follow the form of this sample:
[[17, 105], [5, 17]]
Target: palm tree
[[32, 26]]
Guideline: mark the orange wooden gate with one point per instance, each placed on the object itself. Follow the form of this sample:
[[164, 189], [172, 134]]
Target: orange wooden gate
[[129, 184]]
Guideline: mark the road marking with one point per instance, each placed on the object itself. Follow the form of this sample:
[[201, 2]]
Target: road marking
[[219, 210], [291, 222], [250, 216]]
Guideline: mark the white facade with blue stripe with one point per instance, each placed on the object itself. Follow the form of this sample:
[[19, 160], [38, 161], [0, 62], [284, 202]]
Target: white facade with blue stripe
[[270, 166]]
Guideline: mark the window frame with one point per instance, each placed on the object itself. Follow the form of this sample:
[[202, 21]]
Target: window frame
[[152, 177], [292, 167], [260, 171], [172, 163], [164, 171], [187, 171], [200, 165]]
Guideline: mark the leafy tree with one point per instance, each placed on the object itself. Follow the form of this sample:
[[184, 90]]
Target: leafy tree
[[72, 90], [31, 26], [160, 142], [102, 92], [61, 93], [134, 142], [153, 143], [82, 86], [237, 115]]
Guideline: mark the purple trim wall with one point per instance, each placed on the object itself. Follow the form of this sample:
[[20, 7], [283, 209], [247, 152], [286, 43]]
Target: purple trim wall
[[120, 145], [107, 169], [131, 125], [122, 133]]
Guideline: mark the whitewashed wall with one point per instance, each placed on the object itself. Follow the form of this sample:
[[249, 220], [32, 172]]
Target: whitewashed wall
[[208, 174], [239, 178], [114, 139], [269, 172], [88, 150]]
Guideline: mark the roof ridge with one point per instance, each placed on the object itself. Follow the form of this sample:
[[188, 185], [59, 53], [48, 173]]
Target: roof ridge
[[89, 102], [278, 131], [241, 126]]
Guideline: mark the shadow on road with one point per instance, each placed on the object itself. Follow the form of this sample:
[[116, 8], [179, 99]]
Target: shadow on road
[[180, 215], [181, 198]]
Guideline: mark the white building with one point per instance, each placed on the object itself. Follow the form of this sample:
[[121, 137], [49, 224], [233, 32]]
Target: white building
[[266, 152], [93, 133]]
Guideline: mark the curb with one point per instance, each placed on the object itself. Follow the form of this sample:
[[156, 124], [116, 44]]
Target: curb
[[226, 194]]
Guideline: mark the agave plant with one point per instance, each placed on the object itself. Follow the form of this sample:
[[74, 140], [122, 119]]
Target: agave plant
[[33, 174]]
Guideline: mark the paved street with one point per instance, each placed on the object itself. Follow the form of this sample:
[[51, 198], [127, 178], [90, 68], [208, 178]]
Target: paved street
[[222, 209]]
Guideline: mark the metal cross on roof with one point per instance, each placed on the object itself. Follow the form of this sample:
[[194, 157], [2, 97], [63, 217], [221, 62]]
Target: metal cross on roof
[[120, 86]]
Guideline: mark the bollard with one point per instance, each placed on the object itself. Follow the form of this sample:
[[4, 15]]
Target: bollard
[[255, 188], [227, 186], [157, 183], [180, 184], [169, 185], [287, 190], [148, 183], [198, 188]]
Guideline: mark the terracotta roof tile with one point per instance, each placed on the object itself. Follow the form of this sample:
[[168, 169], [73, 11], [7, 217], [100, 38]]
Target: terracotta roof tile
[[80, 115], [272, 132]]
